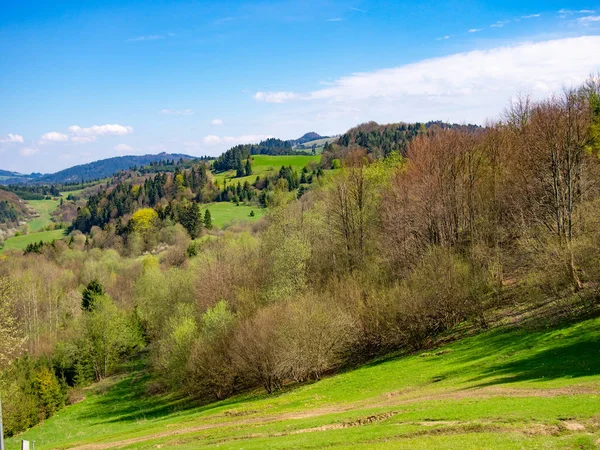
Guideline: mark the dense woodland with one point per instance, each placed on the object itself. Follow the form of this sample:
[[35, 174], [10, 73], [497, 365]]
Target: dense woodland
[[421, 229]]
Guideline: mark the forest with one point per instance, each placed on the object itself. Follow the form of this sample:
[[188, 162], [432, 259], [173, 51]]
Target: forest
[[400, 234]]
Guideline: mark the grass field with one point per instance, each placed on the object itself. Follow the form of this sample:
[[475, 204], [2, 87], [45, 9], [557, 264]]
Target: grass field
[[505, 389], [20, 242], [44, 208], [224, 213], [263, 165]]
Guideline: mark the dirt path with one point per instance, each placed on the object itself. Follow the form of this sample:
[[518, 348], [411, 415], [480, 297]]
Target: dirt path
[[391, 399]]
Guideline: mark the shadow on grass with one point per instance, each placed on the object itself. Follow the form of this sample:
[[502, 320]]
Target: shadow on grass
[[128, 401], [576, 359]]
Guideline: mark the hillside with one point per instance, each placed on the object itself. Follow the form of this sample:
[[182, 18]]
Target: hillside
[[307, 137], [511, 388], [94, 170], [12, 208]]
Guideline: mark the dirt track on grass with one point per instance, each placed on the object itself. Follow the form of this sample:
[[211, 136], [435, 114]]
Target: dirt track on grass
[[398, 398]]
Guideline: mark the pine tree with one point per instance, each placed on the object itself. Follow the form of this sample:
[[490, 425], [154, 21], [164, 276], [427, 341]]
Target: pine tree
[[248, 167], [207, 220], [90, 293]]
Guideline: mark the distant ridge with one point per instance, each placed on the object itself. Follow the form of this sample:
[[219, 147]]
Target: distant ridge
[[91, 171], [310, 136]]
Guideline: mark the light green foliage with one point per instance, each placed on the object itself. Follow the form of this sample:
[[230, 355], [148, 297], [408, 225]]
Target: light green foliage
[[108, 334], [217, 320], [174, 348]]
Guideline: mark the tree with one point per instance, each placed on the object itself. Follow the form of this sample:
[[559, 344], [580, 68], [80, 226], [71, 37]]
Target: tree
[[207, 220], [108, 334], [239, 169], [11, 339], [248, 169], [92, 291]]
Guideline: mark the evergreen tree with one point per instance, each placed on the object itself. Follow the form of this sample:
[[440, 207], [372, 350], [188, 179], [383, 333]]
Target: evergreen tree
[[207, 220], [248, 169], [90, 293]]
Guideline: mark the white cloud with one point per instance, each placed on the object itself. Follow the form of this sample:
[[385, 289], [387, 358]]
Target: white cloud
[[216, 122], [28, 151], [53, 136], [149, 37], [500, 23], [212, 139], [586, 20], [469, 86], [586, 11], [530, 16], [357, 9], [274, 97], [12, 138], [177, 112], [123, 148], [84, 135], [474, 30], [443, 38], [335, 19]]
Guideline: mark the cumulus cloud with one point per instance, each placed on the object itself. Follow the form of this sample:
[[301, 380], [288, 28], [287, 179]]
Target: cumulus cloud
[[83, 135], [177, 112], [213, 139], [274, 97], [469, 86], [216, 122], [53, 136], [13, 138], [28, 151], [123, 148]]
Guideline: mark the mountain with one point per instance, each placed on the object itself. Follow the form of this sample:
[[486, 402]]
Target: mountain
[[92, 171], [311, 136]]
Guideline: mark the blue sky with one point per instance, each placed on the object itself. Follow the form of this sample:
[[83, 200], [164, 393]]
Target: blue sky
[[87, 80]]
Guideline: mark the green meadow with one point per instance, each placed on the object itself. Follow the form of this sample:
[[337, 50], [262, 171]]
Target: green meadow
[[509, 388], [263, 165], [20, 242], [226, 213]]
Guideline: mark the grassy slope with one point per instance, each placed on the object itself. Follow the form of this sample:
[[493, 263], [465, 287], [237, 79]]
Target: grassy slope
[[20, 242], [265, 164], [501, 390], [225, 213], [44, 208]]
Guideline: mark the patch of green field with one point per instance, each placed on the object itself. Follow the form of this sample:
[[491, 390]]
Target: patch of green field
[[225, 213], [44, 209], [20, 242], [504, 389], [263, 165]]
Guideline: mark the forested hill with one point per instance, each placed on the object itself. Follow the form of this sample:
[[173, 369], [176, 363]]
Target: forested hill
[[98, 169], [308, 137], [383, 139]]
